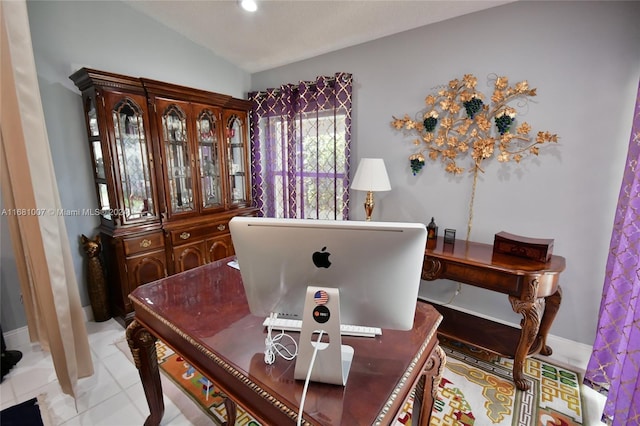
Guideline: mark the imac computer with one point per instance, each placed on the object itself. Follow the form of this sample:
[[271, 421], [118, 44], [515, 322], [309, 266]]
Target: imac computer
[[330, 272]]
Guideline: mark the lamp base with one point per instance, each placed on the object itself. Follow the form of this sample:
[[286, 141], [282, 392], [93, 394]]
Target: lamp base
[[368, 205]]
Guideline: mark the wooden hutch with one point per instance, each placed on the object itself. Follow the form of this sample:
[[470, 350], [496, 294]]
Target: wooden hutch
[[171, 168]]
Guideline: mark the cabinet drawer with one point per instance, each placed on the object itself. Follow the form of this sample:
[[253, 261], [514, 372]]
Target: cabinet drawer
[[143, 243], [188, 235], [483, 278]]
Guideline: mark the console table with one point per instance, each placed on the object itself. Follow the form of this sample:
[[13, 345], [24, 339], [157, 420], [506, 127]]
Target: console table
[[203, 315], [532, 287]]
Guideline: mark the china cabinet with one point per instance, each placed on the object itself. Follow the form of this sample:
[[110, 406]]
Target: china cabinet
[[170, 168]]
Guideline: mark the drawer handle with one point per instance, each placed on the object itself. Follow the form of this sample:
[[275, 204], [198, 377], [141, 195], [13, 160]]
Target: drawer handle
[[221, 227], [145, 243], [185, 235]]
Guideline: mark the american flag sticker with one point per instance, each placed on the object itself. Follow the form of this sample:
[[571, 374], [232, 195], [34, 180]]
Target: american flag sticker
[[321, 297]]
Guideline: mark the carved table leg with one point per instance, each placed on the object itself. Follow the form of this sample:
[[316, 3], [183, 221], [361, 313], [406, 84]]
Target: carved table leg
[[552, 304], [231, 409], [531, 312], [429, 381], [143, 348]]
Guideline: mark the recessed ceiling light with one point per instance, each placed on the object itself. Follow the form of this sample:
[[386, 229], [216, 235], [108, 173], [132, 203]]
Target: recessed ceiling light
[[249, 5]]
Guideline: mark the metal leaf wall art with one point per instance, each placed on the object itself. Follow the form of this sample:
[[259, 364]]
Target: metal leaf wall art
[[459, 121]]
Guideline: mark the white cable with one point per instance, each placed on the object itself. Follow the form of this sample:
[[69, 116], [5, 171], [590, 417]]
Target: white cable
[[306, 382], [273, 346], [455, 294]]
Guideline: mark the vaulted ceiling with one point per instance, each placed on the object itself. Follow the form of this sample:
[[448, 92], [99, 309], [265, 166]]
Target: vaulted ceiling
[[282, 32]]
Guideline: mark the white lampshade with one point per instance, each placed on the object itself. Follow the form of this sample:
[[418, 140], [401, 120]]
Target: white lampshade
[[371, 175]]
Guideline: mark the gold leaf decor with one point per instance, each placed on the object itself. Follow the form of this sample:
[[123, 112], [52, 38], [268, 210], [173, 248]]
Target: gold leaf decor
[[459, 120]]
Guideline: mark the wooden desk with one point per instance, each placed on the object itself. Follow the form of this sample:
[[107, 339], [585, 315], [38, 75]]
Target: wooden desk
[[203, 315], [532, 287]]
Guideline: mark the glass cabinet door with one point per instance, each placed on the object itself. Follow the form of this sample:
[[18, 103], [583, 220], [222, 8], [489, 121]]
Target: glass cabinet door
[[92, 118], [207, 135], [236, 157], [178, 158], [134, 170], [97, 157], [98, 160]]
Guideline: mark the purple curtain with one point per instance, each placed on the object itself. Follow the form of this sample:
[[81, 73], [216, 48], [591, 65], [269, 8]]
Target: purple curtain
[[300, 145], [615, 360]]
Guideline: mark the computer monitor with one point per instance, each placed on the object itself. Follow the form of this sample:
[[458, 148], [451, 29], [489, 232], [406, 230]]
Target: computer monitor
[[376, 266]]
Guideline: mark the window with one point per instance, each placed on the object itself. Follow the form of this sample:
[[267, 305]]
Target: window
[[301, 149]]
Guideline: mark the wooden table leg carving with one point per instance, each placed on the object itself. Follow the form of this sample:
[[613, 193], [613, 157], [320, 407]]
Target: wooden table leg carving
[[438, 367], [143, 349], [531, 309], [231, 408], [423, 402], [419, 406], [552, 305]]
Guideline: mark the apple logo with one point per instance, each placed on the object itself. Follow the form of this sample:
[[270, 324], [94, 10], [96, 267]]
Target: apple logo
[[321, 258]]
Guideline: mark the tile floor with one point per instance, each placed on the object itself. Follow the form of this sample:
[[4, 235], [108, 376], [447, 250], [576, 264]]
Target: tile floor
[[113, 396]]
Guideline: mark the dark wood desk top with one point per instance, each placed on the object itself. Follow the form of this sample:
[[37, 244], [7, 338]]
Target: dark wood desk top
[[203, 314]]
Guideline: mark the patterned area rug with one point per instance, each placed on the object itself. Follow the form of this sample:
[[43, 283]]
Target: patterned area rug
[[476, 389]]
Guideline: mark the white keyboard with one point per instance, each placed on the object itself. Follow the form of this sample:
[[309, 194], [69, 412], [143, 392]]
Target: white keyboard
[[345, 329]]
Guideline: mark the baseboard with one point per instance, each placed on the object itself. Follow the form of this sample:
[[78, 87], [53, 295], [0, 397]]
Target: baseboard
[[573, 353], [565, 350], [19, 337]]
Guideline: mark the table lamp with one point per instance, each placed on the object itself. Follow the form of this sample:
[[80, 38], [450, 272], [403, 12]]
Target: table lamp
[[371, 176]]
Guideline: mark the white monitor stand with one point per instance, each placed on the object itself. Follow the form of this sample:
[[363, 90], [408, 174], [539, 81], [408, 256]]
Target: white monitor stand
[[333, 359]]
